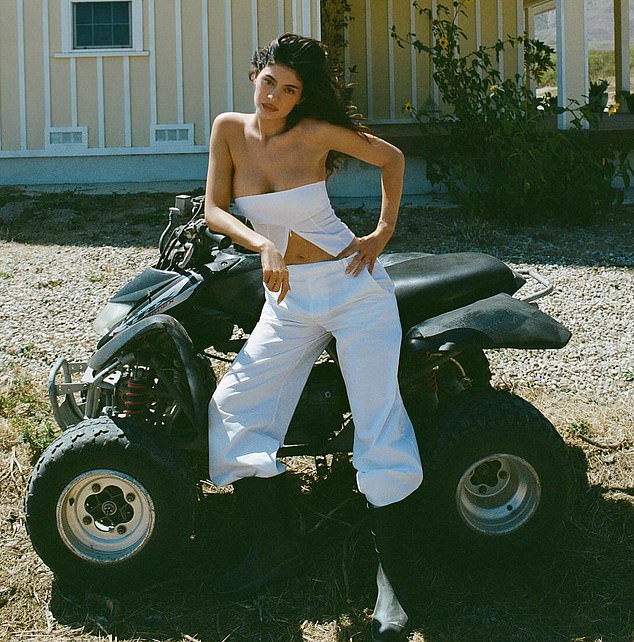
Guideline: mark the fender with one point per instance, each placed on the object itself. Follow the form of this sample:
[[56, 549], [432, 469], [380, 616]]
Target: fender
[[200, 378], [499, 321]]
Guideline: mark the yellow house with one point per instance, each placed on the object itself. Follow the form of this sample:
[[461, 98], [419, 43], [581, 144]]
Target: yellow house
[[126, 90]]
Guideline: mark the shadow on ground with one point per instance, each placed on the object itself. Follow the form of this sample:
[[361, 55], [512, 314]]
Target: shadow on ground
[[137, 220], [577, 589]]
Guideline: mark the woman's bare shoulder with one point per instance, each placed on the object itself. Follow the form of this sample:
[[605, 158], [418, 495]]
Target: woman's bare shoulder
[[230, 121], [322, 130]]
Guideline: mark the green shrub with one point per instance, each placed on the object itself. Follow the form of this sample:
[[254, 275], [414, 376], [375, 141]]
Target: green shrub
[[28, 412], [495, 146]]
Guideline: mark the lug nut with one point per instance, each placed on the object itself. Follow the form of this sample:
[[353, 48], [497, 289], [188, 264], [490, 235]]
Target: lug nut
[[130, 497], [87, 520], [121, 530], [95, 488]]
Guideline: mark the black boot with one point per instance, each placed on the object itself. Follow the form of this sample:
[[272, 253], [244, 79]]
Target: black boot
[[395, 547], [263, 503]]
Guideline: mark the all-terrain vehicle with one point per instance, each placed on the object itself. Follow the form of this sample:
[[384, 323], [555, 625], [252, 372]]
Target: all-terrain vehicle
[[115, 494]]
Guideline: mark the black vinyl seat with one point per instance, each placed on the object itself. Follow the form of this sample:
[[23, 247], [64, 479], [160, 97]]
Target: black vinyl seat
[[430, 284], [426, 284]]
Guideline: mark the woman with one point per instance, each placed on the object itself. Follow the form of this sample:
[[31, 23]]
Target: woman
[[320, 281]]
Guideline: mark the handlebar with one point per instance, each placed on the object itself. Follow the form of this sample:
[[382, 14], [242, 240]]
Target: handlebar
[[221, 241], [191, 241]]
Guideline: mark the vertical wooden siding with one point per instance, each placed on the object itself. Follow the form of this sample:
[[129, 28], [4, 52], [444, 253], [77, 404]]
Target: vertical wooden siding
[[194, 65], [386, 76]]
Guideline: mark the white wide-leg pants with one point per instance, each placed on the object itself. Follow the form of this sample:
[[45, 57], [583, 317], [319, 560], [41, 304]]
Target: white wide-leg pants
[[252, 407]]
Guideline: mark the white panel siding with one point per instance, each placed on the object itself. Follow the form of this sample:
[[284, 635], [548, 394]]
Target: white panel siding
[[205, 54], [368, 58], [413, 58], [306, 19], [521, 27], [254, 25], [127, 103], [21, 74], [500, 6], [390, 58], [46, 64], [318, 12], [73, 92], [229, 61], [152, 44], [178, 39], [434, 91], [101, 111]]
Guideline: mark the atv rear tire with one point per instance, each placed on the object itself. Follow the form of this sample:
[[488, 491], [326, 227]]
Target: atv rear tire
[[108, 505], [498, 479]]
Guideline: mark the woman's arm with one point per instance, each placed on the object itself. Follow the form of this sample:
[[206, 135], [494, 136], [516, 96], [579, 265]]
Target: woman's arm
[[218, 218], [375, 151]]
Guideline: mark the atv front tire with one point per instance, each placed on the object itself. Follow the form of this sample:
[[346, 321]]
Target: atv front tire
[[107, 505]]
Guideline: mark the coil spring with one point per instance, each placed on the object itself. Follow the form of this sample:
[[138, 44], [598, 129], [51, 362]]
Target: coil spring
[[136, 395]]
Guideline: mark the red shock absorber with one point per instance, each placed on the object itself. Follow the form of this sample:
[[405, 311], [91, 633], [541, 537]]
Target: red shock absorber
[[136, 395]]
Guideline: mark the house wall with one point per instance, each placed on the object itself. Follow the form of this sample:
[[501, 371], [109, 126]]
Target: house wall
[[387, 76], [193, 64], [58, 108]]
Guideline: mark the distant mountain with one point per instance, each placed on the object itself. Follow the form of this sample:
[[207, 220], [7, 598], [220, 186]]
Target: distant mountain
[[600, 20]]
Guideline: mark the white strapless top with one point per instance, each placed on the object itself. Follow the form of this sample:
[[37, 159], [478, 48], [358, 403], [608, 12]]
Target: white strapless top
[[305, 211]]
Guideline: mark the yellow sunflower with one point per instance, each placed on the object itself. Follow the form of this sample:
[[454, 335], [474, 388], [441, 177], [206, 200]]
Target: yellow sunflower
[[612, 109], [443, 42], [408, 108]]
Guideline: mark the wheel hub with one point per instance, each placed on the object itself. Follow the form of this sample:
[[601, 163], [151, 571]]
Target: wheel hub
[[498, 494], [109, 507], [105, 516]]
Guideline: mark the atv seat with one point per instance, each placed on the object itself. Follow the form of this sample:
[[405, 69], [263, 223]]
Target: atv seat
[[430, 284]]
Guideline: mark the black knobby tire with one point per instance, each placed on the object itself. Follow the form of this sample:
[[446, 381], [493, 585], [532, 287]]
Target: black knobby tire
[[108, 505], [498, 478]]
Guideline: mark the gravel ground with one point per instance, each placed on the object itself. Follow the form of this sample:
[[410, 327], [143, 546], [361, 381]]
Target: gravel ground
[[50, 293], [63, 256]]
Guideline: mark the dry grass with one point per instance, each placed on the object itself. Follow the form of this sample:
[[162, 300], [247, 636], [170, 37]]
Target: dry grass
[[583, 592]]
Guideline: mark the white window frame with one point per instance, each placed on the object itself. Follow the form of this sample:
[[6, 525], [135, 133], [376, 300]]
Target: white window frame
[[50, 133], [67, 31], [166, 127]]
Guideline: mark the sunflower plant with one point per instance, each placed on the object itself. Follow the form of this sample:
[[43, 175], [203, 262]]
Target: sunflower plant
[[494, 144]]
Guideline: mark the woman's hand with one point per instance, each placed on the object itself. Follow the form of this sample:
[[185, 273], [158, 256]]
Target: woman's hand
[[366, 250], [274, 271]]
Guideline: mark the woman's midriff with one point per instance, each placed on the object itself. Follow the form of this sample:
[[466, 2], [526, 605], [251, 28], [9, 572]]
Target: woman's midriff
[[299, 250]]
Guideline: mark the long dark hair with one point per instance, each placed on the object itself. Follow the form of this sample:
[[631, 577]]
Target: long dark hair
[[324, 95]]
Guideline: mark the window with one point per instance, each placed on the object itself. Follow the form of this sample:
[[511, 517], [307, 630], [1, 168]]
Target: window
[[102, 25], [66, 138], [172, 134]]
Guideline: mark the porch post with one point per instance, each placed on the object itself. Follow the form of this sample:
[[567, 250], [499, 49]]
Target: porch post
[[529, 21], [572, 56], [622, 45]]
